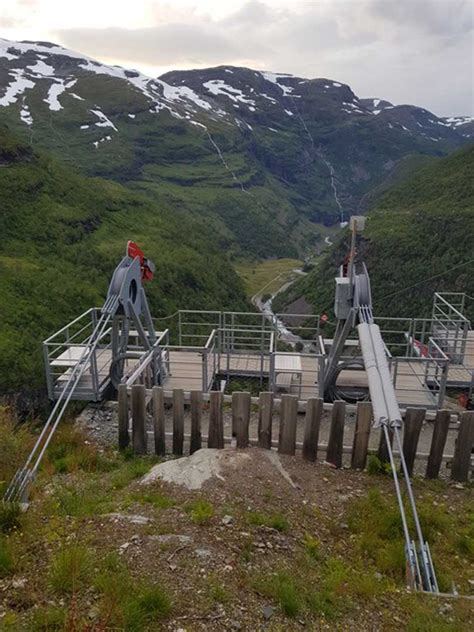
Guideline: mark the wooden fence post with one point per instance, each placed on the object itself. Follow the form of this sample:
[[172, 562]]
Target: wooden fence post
[[336, 434], [288, 416], [139, 435], [215, 438], [265, 417], [438, 441], [158, 404], [361, 435], [178, 421], [241, 418], [314, 409], [463, 448], [196, 418], [123, 432], [382, 452], [411, 432]]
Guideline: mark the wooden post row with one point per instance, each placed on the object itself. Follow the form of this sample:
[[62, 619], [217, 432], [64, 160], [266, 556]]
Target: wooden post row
[[139, 434], [265, 418], [463, 448], [361, 435], [178, 421], [196, 420], [411, 432], [124, 436], [314, 410], [336, 434], [241, 418], [215, 435], [158, 404], [438, 441], [288, 415]]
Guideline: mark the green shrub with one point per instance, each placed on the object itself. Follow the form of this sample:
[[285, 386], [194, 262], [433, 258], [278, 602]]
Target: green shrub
[[7, 564], [376, 466], [201, 511], [49, 619], [312, 546], [69, 569], [284, 589], [10, 516], [274, 521], [153, 497], [81, 501], [124, 603]]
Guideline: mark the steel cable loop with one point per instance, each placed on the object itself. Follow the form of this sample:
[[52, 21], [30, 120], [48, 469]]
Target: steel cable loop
[[354, 395]]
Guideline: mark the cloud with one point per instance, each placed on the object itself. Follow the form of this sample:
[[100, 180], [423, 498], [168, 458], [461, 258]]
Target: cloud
[[440, 17], [403, 50]]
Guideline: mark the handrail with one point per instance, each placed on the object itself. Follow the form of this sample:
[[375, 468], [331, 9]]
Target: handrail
[[60, 331]]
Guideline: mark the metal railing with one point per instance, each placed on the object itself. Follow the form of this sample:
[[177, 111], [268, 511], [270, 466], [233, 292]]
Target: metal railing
[[62, 351]]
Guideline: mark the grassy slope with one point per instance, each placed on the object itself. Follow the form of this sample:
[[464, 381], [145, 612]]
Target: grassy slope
[[62, 236], [176, 165], [420, 228]]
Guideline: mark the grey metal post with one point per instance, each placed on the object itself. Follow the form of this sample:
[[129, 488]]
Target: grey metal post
[[49, 377], [205, 355]]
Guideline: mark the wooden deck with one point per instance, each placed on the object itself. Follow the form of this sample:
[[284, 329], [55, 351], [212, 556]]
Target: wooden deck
[[186, 372]]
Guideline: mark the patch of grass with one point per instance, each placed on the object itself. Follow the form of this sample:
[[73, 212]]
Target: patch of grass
[[10, 516], [130, 470], [14, 446], [70, 569], [201, 511], [266, 276], [7, 564], [153, 497], [49, 619], [312, 546], [124, 603], [70, 451], [81, 501], [283, 588], [275, 521]]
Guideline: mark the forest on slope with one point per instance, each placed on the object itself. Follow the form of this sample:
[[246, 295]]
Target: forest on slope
[[419, 239], [62, 234]]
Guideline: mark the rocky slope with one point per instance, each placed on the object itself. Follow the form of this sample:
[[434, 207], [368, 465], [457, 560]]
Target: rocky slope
[[260, 156]]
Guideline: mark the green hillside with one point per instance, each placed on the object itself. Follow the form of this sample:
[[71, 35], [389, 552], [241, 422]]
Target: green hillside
[[421, 228], [62, 235]]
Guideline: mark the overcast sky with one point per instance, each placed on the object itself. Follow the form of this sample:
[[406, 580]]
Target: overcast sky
[[406, 51]]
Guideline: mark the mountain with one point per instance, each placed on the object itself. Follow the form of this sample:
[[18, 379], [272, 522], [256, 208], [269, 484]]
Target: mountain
[[266, 160], [62, 234], [418, 240]]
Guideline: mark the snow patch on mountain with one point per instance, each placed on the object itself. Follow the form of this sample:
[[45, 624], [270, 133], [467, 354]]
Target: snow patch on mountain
[[219, 87], [41, 69], [25, 115], [104, 121], [54, 91], [273, 77], [16, 87]]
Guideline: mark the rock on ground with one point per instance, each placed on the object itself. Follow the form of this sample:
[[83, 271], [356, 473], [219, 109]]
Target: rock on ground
[[193, 471]]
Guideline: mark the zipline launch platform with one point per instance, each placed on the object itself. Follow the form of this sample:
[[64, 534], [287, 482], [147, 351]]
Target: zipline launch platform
[[209, 350]]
